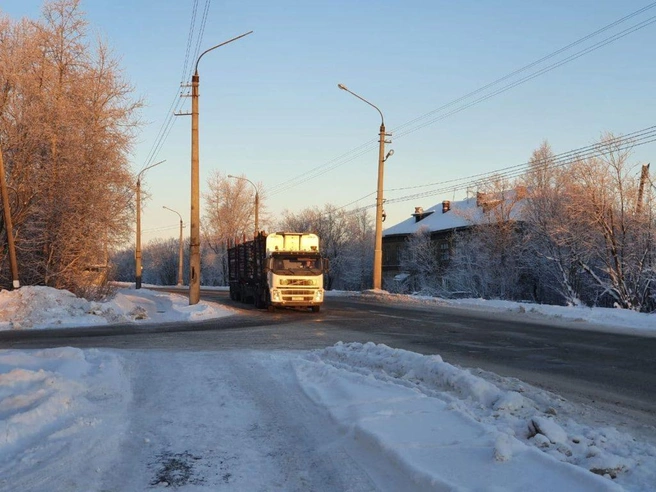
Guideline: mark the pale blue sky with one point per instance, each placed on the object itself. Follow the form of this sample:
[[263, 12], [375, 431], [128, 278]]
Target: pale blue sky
[[270, 107]]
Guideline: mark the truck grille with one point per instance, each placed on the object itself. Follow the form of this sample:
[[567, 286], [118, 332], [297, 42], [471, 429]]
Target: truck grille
[[297, 295], [298, 281]]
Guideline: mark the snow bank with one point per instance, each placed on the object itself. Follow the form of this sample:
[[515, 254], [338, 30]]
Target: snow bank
[[34, 307], [50, 399], [438, 423]]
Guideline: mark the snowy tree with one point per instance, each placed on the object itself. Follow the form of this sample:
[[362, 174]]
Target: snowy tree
[[550, 235], [615, 230], [590, 227], [229, 216], [346, 240], [488, 258], [419, 258], [67, 124]]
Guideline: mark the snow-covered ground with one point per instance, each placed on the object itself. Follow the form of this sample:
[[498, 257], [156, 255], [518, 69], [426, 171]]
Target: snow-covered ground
[[346, 417]]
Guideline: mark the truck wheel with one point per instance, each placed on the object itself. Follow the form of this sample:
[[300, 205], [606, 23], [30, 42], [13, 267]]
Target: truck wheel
[[316, 309]]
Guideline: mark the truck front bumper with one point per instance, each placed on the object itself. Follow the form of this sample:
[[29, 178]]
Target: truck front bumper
[[296, 297]]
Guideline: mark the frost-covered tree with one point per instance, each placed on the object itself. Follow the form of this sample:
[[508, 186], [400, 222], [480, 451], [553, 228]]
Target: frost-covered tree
[[346, 240], [553, 252], [590, 228], [488, 259], [229, 216], [616, 231], [67, 123], [419, 258]]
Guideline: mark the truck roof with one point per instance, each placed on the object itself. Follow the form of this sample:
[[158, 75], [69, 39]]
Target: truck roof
[[292, 241]]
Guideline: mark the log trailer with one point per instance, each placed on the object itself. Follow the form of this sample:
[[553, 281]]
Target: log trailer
[[282, 269]]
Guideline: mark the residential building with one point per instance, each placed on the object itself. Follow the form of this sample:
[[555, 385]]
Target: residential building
[[443, 221]]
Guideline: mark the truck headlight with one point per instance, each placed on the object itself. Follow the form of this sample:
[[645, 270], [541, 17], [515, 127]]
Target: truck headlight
[[318, 296], [275, 295]]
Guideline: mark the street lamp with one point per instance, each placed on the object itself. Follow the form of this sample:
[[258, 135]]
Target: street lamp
[[257, 200], [137, 254], [180, 254], [194, 227], [378, 246]]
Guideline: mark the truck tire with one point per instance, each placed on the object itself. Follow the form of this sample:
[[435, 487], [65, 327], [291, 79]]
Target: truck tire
[[258, 299], [316, 309]]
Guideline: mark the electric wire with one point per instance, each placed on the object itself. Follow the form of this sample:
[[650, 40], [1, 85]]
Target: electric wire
[[183, 77], [530, 65], [600, 149], [178, 102], [636, 135], [626, 142], [542, 71], [368, 146]]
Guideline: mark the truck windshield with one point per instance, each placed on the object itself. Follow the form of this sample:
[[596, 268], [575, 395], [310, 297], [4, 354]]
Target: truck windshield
[[296, 265]]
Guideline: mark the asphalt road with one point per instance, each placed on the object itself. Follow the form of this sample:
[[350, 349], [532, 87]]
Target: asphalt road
[[616, 373]]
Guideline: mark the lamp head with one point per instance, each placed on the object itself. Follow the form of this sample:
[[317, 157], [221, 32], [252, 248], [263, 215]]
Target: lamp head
[[230, 176], [342, 86], [389, 154]]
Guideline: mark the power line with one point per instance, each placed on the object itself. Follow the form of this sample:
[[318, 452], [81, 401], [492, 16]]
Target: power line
[[636, 139], [626, 142], [542, 71], [177, 103], [184, 77], [636, 136], [369, 145]]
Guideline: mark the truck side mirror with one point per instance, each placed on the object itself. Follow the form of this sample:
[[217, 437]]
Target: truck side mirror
[[326, 265]]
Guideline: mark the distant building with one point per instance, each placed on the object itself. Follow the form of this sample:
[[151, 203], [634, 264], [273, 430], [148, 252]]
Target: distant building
[[443, 221]]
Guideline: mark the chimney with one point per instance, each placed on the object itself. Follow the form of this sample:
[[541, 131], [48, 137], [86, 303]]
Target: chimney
[[446, 206], [419, 214], [521, 192]]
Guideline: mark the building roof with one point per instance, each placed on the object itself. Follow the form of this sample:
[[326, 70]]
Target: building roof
[[463, 213]]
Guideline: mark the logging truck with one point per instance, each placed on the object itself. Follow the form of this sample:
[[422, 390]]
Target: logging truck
[[282, 269]]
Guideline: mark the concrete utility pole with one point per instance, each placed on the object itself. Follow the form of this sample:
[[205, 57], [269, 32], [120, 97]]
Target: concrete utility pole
[[257, 201], [137, 253], [378, 246], [180, 252], [644, 176], [194, 227], [13, 264]]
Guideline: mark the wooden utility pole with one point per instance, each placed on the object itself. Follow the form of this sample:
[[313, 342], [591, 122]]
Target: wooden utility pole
[[8, 226]]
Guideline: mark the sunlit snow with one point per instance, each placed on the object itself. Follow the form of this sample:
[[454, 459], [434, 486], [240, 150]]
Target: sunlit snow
[[349, 417]]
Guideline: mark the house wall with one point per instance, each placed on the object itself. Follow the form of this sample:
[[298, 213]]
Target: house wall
[[394, 245]]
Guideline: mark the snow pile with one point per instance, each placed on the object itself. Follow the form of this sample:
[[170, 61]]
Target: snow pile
[[34, 307], [435, 420], [50, 399]]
